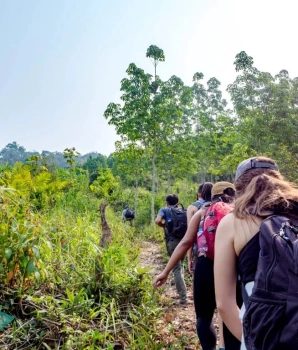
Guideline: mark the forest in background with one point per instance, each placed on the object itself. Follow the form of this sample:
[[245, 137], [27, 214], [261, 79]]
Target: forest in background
[[169, 131], [179, 130], [13, 152], [64, 285]]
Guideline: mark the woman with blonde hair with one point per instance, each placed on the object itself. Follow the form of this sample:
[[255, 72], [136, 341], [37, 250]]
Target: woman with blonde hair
[[244, 235]]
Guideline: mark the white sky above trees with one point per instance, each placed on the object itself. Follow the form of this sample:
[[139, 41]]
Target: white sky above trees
[[61, 61]]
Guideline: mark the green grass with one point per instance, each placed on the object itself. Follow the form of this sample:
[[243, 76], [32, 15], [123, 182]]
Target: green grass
[[67, 308]]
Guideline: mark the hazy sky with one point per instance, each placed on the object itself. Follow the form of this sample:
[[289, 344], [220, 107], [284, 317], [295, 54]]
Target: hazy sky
[[61, 61]]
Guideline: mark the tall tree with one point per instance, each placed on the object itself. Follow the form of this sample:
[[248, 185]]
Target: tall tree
[[157, 55], [150, 113], [13, 153], [267, 107], [208, 105]]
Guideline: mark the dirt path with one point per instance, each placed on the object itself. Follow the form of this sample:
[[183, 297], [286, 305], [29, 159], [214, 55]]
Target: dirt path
[[177, 326]]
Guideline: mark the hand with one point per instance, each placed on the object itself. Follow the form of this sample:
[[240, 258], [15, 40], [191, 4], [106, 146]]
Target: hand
[[190, 267], [160, 280]]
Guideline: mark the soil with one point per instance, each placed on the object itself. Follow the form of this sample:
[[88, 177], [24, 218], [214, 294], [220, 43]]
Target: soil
[[177, 325]]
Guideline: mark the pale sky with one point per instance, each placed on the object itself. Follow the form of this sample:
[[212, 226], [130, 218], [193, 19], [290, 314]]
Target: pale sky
[[61, 61]]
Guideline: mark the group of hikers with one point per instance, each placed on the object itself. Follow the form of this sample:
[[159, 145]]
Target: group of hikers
[[241, 242]]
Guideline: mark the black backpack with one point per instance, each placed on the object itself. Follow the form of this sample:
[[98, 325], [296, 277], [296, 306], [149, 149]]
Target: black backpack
[[176, 222], [271, 318], [129, 214]]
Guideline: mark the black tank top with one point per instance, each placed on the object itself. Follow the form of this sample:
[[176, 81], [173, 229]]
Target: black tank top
[[248, 259]]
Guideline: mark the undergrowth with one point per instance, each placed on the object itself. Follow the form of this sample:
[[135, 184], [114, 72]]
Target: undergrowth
[[47, 274]]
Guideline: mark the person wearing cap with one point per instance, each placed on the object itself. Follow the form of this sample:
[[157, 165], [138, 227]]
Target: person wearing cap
[[260, 189], [204, 294]]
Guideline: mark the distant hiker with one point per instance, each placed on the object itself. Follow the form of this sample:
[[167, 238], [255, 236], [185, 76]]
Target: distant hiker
[[258, 240], [203, 197], [128, 215], [174, 221], [202, 227]]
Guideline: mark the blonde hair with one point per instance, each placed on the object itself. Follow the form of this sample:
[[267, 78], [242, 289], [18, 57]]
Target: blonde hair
[[261, 191]]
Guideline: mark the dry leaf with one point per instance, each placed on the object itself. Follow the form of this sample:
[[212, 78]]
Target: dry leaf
[[169, 318]]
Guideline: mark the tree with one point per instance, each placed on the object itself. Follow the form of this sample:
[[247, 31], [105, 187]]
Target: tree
[[70, 154], [157, 55], [267, 108], [105, 186], [148, 117], [131, 161], [208, 106], [94, 165], [13, 153], [177, 159]]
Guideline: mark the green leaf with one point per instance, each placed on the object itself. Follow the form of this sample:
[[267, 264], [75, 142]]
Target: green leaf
[[8, 253], [30, 269], [36, 252], [5, 319]]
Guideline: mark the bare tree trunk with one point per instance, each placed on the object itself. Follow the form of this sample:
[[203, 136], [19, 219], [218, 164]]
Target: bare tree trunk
[[169, 182], [106, 235], [136, 194], [105, 240], [153, 190], [202, 171]]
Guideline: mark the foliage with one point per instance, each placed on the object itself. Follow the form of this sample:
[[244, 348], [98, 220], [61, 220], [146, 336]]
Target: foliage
[[47, 275], [190, 132], [13, 153], [70, 154], [106, 185], [19, 239], [172, 137], [41, 190], [149, 117], [94, 165], [267, 107]]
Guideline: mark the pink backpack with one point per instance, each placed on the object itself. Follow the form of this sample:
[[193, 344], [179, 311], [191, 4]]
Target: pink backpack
[[212, 218]]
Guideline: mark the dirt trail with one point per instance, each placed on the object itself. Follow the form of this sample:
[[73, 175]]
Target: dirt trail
[[177, 326]]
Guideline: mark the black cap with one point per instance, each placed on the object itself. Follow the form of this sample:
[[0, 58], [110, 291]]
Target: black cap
[[253, 163]]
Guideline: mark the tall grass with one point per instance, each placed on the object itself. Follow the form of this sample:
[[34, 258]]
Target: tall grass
[[66, 307]]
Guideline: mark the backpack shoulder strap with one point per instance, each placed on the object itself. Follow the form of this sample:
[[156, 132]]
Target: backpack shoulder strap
[[198, 204]]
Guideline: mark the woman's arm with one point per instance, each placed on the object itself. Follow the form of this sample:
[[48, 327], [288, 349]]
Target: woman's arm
[[191, 210], [225, 274], [190, 261], [181, 249]]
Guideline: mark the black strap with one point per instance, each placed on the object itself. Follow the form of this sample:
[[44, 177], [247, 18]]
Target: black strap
[[263, 165]]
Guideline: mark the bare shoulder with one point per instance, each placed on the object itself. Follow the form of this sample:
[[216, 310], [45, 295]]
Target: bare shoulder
[[192, 208], [227, 223], [203, 210], [243, 230], [225, 231], [250, 222]]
